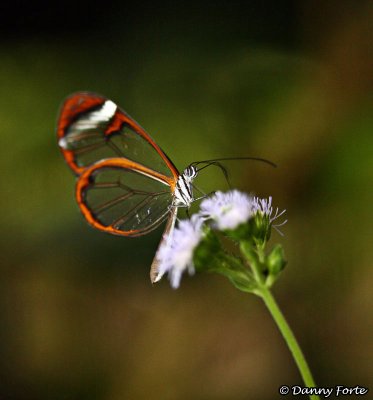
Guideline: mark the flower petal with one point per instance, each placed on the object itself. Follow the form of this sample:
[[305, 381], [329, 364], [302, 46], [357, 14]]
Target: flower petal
[[228, 210], [176, 255]]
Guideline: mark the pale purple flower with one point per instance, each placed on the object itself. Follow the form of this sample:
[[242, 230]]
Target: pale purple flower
[[264, 207], [176, 253], [228, 210]]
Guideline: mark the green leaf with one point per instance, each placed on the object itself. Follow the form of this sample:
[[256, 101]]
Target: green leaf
[[205, 252]]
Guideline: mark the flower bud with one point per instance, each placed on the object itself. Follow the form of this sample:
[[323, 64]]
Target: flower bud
[[275, 263]]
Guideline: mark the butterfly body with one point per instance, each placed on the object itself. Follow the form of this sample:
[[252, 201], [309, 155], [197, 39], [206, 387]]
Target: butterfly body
[[184, 191]]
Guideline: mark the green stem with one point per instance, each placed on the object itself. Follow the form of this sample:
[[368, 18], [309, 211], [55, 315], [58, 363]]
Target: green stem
[[256, 259], [290, 339]]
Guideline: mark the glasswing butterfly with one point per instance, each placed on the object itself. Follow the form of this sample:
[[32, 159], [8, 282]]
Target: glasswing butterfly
[[126, 184]]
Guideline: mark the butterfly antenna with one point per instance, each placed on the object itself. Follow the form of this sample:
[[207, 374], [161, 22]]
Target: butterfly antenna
[[217, 162], [272, 164], [219, 165]]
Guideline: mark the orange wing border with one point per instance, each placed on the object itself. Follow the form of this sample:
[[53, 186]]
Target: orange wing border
[[74, 106]]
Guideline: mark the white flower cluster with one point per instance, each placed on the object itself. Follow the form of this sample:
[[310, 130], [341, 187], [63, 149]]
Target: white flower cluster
[[176, 252], [226, 211]]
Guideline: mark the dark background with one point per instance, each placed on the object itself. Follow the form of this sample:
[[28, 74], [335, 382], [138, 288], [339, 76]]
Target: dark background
[[287, 80]]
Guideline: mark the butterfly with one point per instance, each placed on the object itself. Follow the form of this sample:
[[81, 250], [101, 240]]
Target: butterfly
[[126, 184]]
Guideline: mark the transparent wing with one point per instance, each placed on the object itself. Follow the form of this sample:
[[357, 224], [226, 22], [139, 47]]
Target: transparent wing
[[123, 197], [91, 128]]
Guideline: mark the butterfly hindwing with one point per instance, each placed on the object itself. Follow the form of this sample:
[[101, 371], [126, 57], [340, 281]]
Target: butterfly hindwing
[[121, 197]]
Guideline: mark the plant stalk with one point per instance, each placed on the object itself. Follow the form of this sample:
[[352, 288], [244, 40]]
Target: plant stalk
[[290, 340]]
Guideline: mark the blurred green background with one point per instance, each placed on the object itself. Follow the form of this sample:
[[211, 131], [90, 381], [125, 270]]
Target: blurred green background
[[286, 80]]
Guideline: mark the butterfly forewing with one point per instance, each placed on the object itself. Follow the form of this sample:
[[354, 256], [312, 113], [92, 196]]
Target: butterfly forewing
[[92, 128]]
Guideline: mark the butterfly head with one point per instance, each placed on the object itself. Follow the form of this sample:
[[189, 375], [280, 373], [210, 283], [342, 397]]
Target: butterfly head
[[190, 172]]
